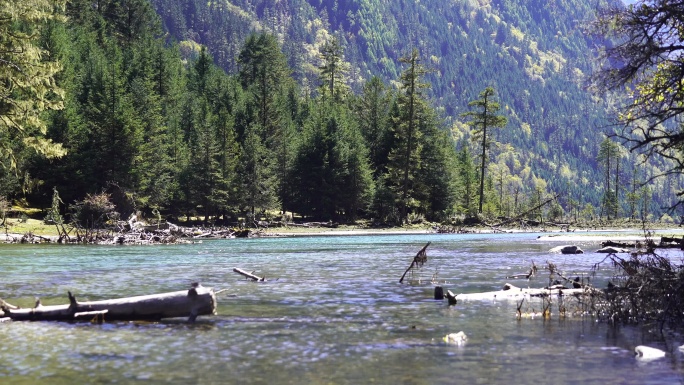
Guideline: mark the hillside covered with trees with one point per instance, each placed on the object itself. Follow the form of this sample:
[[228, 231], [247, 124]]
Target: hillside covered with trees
[[331, 110]]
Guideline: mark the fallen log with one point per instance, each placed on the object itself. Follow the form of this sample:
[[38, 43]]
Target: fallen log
[[249, 275], [186, 303], [513, 292], [623, 245]]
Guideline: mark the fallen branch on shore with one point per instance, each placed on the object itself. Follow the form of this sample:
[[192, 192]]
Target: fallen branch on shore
[[186, 303]]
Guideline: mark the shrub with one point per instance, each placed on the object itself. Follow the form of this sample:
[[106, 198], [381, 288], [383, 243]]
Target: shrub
[[94, 211]]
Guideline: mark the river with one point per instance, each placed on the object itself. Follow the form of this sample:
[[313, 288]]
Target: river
[[331, 312]]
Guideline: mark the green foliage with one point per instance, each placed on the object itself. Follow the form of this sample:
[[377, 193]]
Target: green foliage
[[533, 53], [372, 112], [27, 80], [467, 183], [609, 155], [313, 110], [94, 211], [333, 70]]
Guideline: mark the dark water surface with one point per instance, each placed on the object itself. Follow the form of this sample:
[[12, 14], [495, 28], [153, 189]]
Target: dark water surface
[[332, 312]]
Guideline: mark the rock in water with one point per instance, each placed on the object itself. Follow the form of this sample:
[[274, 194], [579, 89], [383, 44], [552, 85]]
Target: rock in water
[[645, 353], [567, 249], [456, 338]]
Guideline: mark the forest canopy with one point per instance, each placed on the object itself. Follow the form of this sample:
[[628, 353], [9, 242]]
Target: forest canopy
[[187, 126]]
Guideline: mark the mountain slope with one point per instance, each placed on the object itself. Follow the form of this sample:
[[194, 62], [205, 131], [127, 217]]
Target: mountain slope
[[534, 53]]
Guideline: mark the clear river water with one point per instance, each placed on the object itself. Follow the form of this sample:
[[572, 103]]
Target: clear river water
[[331, 312]]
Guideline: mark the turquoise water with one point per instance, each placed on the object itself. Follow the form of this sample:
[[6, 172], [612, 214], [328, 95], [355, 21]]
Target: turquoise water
[[332, 312]]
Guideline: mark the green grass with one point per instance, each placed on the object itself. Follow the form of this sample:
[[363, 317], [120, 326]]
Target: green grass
[[34, 226]]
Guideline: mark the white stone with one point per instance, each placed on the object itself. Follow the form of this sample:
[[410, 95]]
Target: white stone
[[456, 338], [645, 353]]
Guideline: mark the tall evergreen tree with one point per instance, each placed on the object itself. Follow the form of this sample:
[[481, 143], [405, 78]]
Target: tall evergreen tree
[[333, 72], [108, 139], [437, 175], [372, 110], [467, 175], [265, 78], [484, 118], [609, 155], [404, 158], [213, 155]]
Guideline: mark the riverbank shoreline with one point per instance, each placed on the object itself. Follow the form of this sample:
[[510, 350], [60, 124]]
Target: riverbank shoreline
[[556, 235], [38, 232]]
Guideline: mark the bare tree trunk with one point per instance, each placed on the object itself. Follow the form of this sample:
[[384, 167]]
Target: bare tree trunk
[[186, 303]]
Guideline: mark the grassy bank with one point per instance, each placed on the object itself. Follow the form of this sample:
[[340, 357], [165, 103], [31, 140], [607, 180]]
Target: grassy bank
[[25, 226]]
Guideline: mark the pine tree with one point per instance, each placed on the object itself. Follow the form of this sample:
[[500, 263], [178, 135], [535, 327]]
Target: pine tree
[[467, 176], [265, 78], [483, 119], [257, 176], [404, 158], [214, 151], [333, 72], [372, 110], [609, 154], [437, 175]]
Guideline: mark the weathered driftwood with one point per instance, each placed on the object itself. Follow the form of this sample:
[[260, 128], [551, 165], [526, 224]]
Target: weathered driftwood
[[186, 303], [249, 275], [440, 295], [418, 260], [451, 297], [624, 245], [513, 292]]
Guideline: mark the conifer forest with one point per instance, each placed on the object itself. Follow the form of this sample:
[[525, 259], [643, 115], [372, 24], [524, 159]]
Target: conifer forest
[[393, 112]]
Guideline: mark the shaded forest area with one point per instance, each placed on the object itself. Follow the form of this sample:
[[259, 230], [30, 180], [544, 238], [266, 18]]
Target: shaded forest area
[[147, 122]]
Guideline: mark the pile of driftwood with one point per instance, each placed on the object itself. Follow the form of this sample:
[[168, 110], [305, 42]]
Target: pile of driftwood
[[646, 288], [130, 234], [563, 295], [191, 303], [648, 245]]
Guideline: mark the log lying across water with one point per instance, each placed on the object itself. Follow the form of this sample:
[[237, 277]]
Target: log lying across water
[[249, 275], [186, 303], [515, 293]]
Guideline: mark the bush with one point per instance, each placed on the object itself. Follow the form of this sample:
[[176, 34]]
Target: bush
[[94, 211]]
